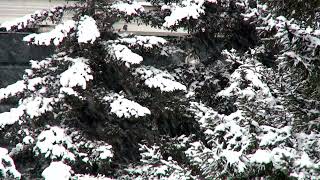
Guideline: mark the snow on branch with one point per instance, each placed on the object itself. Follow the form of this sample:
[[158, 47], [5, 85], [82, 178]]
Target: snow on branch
[[143, 41], [252, 12], [247, 81], [57, 35], [123, 54], [57, 170], [299, 43], [91, 177], [187, 9], [272, 136], [103, 152], [7, 166], [155, 166], [54, 144], [231, 141], [12, 90], [156, 78], [32, 106], [87, 30], [41, 64], [37, 103], [132, 8], [20, 86], [77, 74], [11, 117], [125, 108], [31, 19], [226, 136], [91, 151]]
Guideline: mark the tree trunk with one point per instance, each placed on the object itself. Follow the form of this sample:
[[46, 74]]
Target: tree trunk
[[91, 7]]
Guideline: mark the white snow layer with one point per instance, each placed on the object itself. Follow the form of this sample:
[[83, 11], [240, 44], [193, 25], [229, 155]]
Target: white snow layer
[[19, 22], [261, 156], [156, 78], [7, 166], [123, 53], [271, 136], [12, 89], [126, 108], [271, 143], [90, 177], [87, 30], [129, 9], [33, 107], [104, 152], [20, 86], [23, 22], [57, 170], [188, 9], [144, 41], [77, 74], [57, 35], [154, 166], [253, 79], [53, 144]]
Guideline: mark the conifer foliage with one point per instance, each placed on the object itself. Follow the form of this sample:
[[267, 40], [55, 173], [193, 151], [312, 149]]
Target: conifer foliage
[[237, 97]]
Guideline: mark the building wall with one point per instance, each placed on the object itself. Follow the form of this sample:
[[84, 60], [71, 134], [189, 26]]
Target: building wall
[[15, 55], [12, 9], [14, 59]]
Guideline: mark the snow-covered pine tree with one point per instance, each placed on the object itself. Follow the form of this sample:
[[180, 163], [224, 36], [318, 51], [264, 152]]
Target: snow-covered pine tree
[[126, 107], [304, 11], [86, 109], [259, 100]]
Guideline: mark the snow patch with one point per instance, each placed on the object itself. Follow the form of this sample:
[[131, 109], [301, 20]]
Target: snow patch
[[12, 90], [52, 144], [104, 152], [156, 78], [188, 9], [23, 22], [124, 54], [77, 74], [57, 35], [33, 107], [87, 30], [57, 170], [126, 108], [91, 177], [132, 8], [261, 156], [7, 166], [144, 41]]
